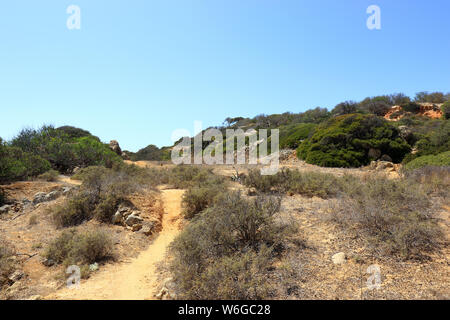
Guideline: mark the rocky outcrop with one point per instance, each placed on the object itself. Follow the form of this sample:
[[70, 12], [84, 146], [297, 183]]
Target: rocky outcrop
[[114, 146]]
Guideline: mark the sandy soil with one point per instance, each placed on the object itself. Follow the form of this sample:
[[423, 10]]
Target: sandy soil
[[138, 278]]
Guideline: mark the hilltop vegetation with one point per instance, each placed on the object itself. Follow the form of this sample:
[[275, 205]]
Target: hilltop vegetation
[[33, 152]]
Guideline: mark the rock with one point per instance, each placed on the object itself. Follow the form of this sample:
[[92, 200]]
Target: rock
[[117, 218], [93, 267], [39, 197], [76, 170], [66, 190], [385, 157], [48, 262], [374, 153], [132, 220], [114, 146], [125, 156], [136, 227], [147, 230], [16, 276], [338, 258], [5, 208], [382, 165], [52, 195]]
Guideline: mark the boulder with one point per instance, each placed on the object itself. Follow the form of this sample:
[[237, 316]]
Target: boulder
[[39, 197], [5, 209], [117, 218], [338, 258], [93, 267], [52, 195], [147, 230], [16, 276], [132, 220], [114, 146], [374, 153]]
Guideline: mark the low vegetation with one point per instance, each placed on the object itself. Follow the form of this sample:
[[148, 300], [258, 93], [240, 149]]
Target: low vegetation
[[100, 194], [394, 215], [309, 184], [6, 264], [346, 141], [441, 159], [16, 164], [51, 175], [74, 248], [227, 251]]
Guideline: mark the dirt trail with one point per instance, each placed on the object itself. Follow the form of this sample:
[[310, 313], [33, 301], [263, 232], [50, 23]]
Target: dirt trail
[[136, 280]]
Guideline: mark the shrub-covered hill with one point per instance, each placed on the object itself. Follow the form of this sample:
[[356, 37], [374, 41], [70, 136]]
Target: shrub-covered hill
[[33, 152], [353, 140]]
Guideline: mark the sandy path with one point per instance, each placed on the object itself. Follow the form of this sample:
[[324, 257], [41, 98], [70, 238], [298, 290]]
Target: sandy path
[[136, 280]]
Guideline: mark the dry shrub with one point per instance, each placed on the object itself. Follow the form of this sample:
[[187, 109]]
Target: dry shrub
[[50, 176], [72, 248], [395, 216], [6, 264], [436, 180], [305, 183], [229, 246]]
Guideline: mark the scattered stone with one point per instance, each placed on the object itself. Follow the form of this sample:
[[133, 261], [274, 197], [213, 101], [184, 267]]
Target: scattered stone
[[338, 258], [136, 227], [147, 230], [16, 276], [39, 197], [114, 146], [93, 267], [52, 195], [66, 190], [48, 262], [117, 218], [5, 208], [132, 220]]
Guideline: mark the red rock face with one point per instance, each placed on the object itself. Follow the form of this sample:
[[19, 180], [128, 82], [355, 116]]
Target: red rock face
[[430, 110]]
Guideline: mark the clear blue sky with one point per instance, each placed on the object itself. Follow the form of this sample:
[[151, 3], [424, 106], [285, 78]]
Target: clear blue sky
[[137, 70]]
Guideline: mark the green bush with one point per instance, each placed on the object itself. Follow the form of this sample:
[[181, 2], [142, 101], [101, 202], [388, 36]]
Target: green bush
[[446, 110], [292, 135], [72, 248], [434, 97], [65, 148], [51, 175], [347, 107], [197, 199], [16, 164], [229, 246], [411, 107], [441, 159], [345, 141]]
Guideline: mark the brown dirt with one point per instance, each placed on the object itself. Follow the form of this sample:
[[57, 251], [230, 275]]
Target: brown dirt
[[138, 278]]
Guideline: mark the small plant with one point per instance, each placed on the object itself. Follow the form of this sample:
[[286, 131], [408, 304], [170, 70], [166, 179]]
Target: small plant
[[72, 248], [394, 216], [6, 264], [2, 197], [50, 176], [34, 219], [227, 250]]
